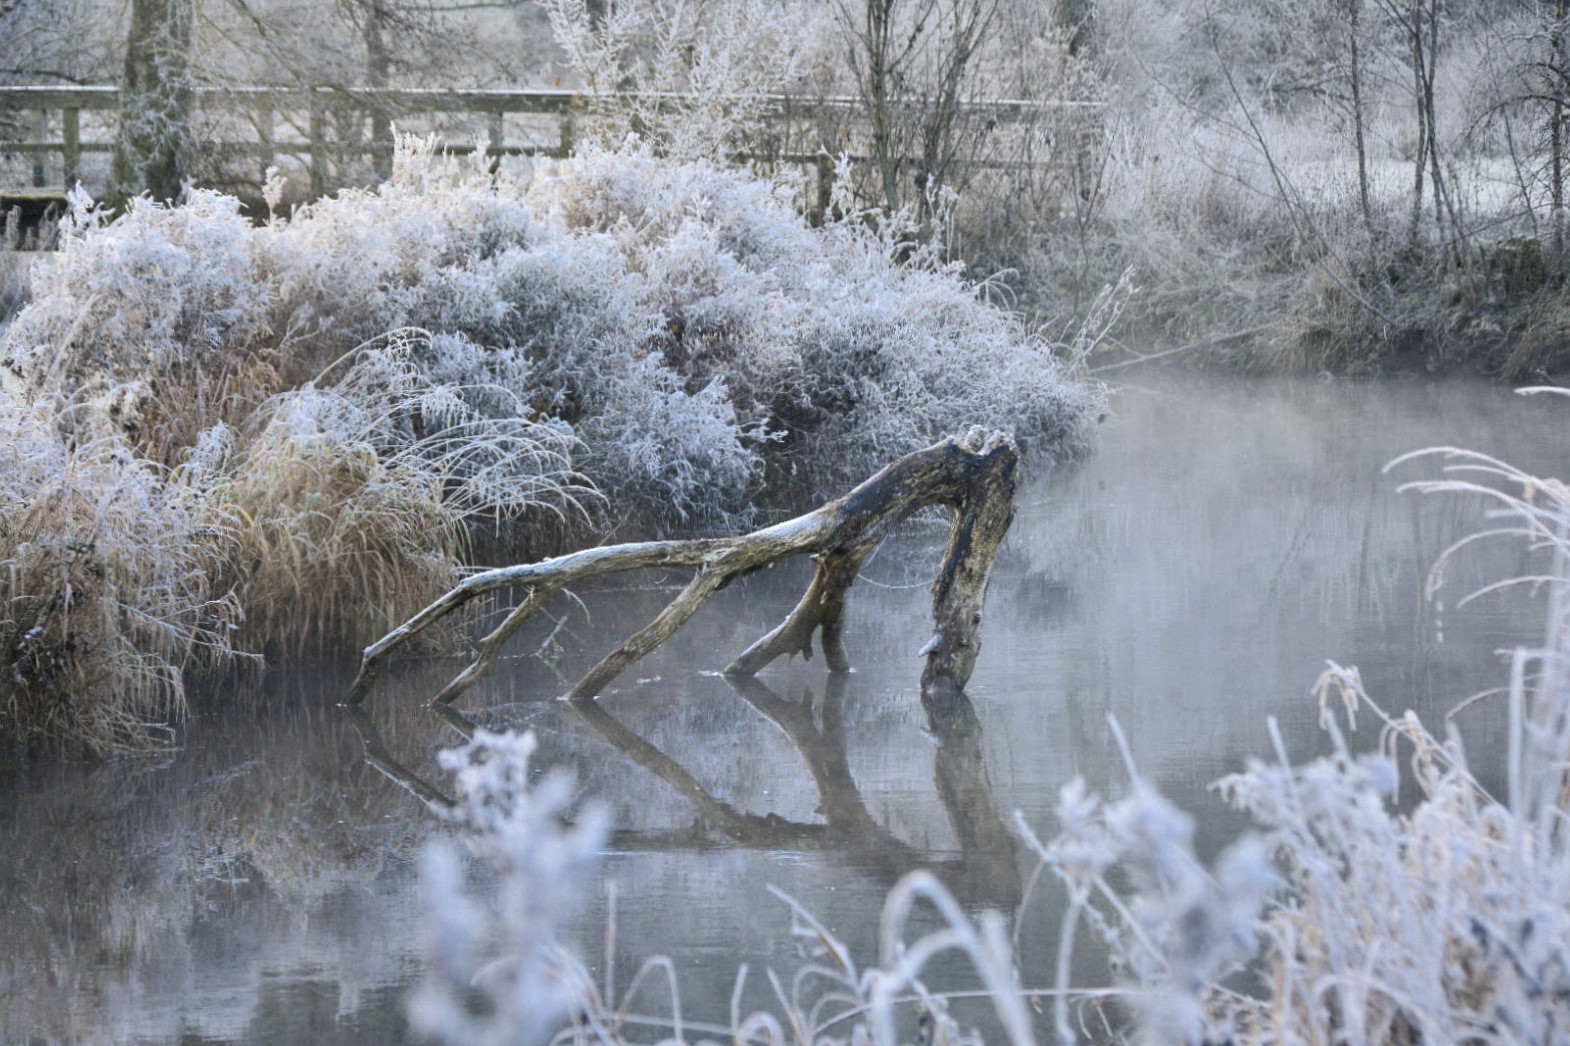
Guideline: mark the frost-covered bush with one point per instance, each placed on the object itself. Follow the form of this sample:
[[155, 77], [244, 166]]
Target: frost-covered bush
[[625, 295], [105, 592], [347, 503], [843, 354], [154, 320]]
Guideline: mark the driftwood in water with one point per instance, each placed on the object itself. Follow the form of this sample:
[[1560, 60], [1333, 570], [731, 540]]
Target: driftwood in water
[[973, 474]]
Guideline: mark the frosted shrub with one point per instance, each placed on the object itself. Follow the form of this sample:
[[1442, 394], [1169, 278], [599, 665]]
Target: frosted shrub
[[560, 289], [504, 952], [844, 354], [149, 318], [105, 595], [1183, 929], [673, 457]]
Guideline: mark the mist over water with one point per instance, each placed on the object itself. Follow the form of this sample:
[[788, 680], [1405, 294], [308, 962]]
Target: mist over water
[[257, 885]]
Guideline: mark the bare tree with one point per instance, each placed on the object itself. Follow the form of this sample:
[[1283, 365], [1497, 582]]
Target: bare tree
[[1354, 38], [689, 79], [912, 60], [1553, 68]]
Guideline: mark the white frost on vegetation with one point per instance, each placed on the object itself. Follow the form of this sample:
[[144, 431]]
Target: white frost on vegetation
[[614, 341], [497, 975], [105, 593]]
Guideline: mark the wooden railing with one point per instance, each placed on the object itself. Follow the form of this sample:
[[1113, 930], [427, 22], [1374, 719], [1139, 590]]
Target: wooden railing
[[326, 125], [321, 136], [267, 122]]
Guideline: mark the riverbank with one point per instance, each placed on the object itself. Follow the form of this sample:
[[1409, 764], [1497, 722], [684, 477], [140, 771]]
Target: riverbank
[[1505, 316], [230, 442]]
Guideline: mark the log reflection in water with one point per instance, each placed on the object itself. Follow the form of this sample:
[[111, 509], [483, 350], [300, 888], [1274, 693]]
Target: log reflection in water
[[986, 870]]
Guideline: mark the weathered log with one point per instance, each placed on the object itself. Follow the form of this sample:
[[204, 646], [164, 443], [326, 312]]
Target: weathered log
[[972, 473]]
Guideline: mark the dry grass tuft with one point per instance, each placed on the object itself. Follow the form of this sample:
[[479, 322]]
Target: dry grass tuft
[[349, 506], [105, 592]]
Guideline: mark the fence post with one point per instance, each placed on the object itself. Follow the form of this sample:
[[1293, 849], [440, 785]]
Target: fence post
[[565, 148], [494, 130], [318, 145], [71, 149], [264, 133], [41, 136], [824, 168]]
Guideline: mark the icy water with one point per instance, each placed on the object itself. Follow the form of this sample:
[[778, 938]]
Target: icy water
[[258, 885]]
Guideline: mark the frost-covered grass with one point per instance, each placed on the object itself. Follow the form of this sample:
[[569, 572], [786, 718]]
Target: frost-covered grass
[[1362, 920], [322, 408], [105, 594]]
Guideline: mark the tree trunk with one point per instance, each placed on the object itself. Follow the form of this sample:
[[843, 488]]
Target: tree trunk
[[880, 105], [973, 474], [378, 69], [1077, 20], [1354, 35], [1558, 71], [1420, 160], [155, 101]]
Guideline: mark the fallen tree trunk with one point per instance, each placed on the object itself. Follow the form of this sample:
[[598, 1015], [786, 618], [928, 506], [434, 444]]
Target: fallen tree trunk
[[973, 474]]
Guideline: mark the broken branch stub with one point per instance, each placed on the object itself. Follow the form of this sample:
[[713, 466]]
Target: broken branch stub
[[972, 473]]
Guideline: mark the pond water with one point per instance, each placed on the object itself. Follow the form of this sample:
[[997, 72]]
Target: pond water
[[258, 885]]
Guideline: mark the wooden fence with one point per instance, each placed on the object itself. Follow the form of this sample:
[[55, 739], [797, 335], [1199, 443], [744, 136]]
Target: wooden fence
[[321, 132], [266, 123]]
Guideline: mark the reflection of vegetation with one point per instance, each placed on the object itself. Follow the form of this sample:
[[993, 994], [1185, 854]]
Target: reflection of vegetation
[[191, 879]]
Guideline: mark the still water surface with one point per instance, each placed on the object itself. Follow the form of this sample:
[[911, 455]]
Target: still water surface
[[258, 885]]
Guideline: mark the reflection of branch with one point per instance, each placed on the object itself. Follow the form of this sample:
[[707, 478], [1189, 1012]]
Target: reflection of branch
[[959, 771], [823, 749], [377, 755], [766, 831], [985, 870]]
